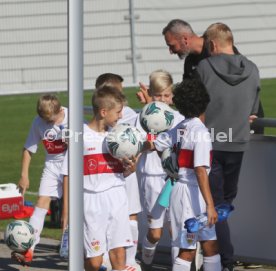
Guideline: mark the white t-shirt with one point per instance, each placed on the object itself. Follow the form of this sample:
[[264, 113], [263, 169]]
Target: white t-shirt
[[101, 171], [193, 141], [150, 162], [128, 116], [51, 137]]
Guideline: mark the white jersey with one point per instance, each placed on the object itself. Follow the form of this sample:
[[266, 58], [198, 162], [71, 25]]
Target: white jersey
[[193, 142], [128, 116], [101, 171], [149, 162], [51, 137]]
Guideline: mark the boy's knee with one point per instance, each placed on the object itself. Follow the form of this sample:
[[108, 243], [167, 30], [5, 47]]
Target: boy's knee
[[210, 248], [92, 264], [154, 235]]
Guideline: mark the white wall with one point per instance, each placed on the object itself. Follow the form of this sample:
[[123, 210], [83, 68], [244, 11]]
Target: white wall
[[33, 38]]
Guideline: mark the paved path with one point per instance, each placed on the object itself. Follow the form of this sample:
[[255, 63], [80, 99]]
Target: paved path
[[47, 259]]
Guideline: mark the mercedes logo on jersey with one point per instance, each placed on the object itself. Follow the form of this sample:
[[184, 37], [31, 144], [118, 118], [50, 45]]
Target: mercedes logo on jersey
[[92, 164]]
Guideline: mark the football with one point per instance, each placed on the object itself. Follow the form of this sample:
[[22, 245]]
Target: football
[[19, 235], [124, 141], [169, 163], [156, 117]]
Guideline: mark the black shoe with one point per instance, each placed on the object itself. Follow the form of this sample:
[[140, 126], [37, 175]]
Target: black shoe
[[145, 267], [229, 267]]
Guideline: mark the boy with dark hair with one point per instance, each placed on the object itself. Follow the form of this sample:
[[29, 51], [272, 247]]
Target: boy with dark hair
[[191, 194]]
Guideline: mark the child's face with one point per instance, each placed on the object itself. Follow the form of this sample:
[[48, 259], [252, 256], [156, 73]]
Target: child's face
[[111, 116], [165, 96]]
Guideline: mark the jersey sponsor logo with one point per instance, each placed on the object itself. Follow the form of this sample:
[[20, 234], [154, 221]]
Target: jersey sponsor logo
[[54, 147], [101, 163]]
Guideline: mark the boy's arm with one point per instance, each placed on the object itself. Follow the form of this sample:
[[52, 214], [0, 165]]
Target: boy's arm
[[24, 181], [203, 183], [64, 215]]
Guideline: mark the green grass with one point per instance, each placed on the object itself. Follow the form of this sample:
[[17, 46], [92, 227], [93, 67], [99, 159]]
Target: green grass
[[17, 113]]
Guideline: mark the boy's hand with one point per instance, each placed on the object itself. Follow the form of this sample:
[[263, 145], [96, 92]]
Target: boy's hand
[[23, 185], [212, 215], [143, 95], [129, 165]]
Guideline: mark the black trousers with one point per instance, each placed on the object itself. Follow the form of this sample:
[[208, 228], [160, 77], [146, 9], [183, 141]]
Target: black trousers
[[224, 177]]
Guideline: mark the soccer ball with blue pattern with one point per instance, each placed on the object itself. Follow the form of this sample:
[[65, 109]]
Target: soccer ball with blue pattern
[[19, 235], [124, 141], [156, 117]]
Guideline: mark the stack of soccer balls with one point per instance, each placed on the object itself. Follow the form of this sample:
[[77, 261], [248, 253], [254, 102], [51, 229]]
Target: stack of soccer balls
[[19, 235]]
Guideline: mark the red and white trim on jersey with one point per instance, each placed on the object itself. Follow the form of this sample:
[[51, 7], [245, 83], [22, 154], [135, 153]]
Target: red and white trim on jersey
[[186, 158]]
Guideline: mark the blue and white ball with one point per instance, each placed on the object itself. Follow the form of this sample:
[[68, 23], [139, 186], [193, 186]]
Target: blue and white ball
[[19, 235], [156, 117], [169, 163], [124, 141]]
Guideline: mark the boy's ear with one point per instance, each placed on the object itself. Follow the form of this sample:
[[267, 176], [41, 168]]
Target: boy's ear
[[103, 112], [213, 47]]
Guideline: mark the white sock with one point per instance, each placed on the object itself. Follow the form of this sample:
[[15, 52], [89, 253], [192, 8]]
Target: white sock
[[131, 251], [198, 256], [174, 253], [148, 250], [212, 263], [181, 265], [37, 221]]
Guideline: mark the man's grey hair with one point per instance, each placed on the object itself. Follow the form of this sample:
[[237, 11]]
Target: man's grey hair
[[177, 27]]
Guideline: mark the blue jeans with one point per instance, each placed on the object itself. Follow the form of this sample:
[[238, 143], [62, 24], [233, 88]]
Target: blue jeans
[[224, 177]]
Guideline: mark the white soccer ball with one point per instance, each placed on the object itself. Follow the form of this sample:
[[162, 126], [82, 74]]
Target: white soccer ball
[[156, 117], [124, 141], [170, 163], [19, 235]]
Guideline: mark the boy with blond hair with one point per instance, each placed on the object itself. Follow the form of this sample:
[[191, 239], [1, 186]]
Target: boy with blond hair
[[106, 221], [151, 175], [128, 116], [46, 127]]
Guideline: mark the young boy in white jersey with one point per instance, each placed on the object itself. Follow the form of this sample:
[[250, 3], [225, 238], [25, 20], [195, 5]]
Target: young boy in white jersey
[[191, 194], [106, 221], [46, 127], [128, 116], [151, 175]]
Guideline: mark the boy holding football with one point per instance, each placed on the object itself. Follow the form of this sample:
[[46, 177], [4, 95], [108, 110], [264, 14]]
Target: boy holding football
[[106, 222], [191, 194], [151, 175], [128, 116]]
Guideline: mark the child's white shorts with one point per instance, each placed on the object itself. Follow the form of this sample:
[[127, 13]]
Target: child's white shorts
[[186, 201], [106, 221], [50, 182], [132, 190], [150, 188]]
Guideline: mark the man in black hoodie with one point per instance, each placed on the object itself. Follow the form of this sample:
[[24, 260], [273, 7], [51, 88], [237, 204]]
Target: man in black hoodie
[[233, 84], [184, 42]]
